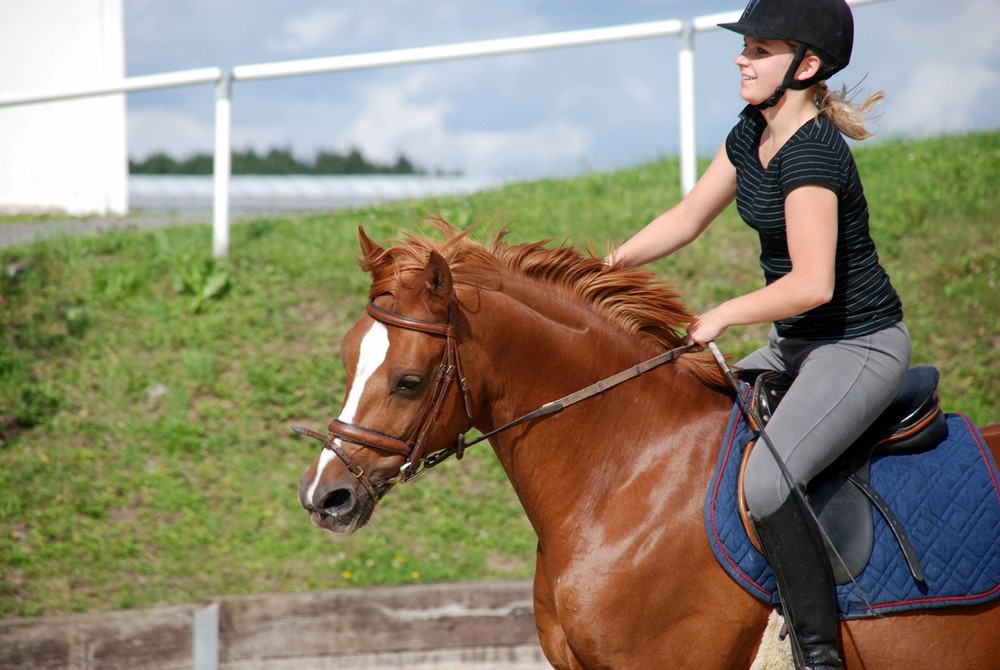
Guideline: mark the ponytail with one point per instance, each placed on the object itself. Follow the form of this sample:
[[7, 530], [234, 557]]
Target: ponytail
[[848, 118]]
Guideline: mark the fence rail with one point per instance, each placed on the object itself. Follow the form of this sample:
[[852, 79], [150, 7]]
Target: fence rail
[[461, 50], [223, 79], [470, 625], [149, 82]]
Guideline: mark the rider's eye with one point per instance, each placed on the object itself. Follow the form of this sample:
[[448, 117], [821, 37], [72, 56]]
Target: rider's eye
[[408, 383]]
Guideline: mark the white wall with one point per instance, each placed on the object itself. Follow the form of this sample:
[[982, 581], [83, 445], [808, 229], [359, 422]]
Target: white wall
[[68, 156]]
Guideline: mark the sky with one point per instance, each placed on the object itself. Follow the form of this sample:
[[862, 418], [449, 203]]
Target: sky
[[548, 113]]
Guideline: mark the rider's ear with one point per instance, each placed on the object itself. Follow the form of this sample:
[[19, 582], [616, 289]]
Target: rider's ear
[[437, 281], [809, 67]]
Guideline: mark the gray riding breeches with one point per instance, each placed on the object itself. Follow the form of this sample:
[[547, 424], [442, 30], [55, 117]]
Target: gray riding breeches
[[840, 388]]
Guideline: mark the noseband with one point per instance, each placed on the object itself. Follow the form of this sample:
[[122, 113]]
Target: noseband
[[414, 446]]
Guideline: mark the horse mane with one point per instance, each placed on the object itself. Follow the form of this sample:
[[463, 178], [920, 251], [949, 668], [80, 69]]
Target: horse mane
[[636, 300]]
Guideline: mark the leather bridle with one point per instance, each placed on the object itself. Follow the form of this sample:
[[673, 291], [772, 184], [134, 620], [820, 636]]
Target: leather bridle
[[414, 446]]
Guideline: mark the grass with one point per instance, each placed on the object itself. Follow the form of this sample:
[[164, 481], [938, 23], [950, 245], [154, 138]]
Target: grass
[[146, 390]]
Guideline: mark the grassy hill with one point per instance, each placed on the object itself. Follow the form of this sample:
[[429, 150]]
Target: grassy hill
[[146, 390]]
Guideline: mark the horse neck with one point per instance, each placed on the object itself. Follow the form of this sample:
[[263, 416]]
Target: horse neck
[[533, 347], [527, 354]]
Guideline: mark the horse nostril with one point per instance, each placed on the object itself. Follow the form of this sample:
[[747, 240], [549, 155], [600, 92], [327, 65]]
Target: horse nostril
[[335, 500]]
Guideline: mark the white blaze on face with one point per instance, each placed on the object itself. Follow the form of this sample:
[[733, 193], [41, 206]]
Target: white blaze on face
[[371, 354]]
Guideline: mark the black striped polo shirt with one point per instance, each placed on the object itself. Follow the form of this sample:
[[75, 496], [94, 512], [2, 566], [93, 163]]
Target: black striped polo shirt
[[864, 300]]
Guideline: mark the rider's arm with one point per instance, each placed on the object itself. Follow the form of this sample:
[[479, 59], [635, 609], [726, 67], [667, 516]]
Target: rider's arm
[[811, 230], [681, 224]]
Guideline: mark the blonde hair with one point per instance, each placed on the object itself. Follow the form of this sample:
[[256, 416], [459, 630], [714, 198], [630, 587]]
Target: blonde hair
[[840, 108], [843, 113]]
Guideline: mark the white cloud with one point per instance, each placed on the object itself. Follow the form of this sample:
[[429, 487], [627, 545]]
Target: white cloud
[[355, 29], [308, 31], [944, 97], [938, 66], [324, 30], [393, 120], [639, 91], [177, 133], [550, 148], [389, 115]]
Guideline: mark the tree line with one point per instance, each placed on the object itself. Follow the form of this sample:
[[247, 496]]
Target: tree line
[[275, 161]]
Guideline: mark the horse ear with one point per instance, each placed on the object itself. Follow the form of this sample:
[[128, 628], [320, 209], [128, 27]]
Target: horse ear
[[368, 248], [373, 257], [437, 281]]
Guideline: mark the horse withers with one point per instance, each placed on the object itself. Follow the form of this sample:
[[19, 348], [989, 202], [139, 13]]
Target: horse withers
[[459, 335]]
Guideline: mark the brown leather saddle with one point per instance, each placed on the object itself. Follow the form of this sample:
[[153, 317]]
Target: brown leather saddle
[[842, 496]]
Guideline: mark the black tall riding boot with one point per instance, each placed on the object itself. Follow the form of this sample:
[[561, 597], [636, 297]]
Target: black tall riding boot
[[794, 547]]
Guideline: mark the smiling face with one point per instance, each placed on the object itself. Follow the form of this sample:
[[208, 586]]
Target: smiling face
[[763, 64]]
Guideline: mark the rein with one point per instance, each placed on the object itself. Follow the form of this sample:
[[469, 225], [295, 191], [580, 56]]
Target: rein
[[414, 447], [587, 392]]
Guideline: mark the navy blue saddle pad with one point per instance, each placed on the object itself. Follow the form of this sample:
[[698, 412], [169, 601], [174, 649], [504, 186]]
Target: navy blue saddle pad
[[948, 500]]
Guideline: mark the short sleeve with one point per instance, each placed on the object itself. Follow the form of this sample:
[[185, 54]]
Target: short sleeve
[[817, 157], [810, 164]]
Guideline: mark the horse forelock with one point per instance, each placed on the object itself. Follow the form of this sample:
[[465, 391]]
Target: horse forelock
[[636, 300]]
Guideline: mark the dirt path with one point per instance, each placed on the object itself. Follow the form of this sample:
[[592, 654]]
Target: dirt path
[[12, 234]]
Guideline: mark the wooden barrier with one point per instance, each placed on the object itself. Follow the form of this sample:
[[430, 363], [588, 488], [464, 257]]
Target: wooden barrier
[[341, 628]]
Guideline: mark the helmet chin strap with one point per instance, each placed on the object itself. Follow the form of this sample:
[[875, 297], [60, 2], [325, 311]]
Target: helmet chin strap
[[789, 81]]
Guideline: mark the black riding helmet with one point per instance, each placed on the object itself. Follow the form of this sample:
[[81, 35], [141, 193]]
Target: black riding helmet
[[825, 26]]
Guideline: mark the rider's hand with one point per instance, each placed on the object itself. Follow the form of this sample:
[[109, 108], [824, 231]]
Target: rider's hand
[[706, 328]]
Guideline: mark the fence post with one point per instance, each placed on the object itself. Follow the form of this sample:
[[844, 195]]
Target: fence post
[[223, 164], [205, 638], [685, 84]]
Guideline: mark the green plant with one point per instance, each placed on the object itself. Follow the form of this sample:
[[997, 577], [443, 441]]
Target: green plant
[[205, 280]]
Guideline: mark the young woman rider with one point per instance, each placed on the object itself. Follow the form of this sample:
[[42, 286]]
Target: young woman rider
[[837, 321]]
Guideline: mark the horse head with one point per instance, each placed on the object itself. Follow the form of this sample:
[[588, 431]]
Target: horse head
[[403, 394]]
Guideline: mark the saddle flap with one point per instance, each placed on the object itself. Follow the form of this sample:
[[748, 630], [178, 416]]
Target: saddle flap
[[848, 524], [843, 511]]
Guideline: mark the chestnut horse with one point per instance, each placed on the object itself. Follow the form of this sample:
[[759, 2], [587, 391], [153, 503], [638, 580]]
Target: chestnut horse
[[613, 486]]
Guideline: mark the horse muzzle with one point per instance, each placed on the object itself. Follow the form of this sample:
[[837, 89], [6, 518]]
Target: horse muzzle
[[339, 505]]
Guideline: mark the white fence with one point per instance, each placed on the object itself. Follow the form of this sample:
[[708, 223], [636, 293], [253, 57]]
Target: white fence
[[225, 78]]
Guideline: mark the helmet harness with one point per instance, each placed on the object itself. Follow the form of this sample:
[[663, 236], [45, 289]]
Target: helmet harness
[[823, 26]]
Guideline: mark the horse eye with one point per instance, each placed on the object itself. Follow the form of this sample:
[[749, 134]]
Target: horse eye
[[409, 383]]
